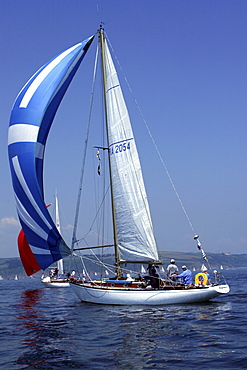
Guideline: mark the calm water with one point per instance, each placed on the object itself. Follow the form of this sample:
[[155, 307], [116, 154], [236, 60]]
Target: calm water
[[44, 328]]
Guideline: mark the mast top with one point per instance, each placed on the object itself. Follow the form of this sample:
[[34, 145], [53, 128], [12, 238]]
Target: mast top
[[101, 28]]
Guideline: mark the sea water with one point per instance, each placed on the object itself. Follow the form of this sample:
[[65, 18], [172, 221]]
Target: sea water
[[42, 328]]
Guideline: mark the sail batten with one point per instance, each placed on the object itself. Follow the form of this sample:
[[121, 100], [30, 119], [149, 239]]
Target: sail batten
[[31, 118]]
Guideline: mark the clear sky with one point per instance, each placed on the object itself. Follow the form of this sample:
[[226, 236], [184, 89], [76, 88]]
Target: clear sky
[[186, 62]]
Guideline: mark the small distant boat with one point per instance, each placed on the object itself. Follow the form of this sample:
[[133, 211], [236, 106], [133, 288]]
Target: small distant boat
[[133, 234], [56, 281], [16, 277]]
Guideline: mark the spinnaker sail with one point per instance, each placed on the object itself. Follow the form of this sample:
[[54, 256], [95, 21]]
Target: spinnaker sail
[[31, 118]]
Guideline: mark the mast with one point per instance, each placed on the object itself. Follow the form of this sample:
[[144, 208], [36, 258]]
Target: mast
[[102, 47]]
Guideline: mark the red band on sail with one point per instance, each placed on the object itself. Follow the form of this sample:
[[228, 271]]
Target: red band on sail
[[28, 259]]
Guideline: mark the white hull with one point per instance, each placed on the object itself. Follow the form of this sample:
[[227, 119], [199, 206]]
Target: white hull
[[87, 293], [55, 283]]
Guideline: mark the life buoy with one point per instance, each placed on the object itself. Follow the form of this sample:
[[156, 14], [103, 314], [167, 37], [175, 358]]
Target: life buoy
[[201, 278]]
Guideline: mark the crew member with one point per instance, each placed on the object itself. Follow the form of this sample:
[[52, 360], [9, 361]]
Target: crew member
[[186, 276], [153, 276], [172, 269]]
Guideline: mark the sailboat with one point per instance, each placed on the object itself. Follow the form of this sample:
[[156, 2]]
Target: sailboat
[[133, 235], [56, 280]]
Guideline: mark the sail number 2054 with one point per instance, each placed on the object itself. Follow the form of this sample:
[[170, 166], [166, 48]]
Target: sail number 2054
[[120, 147]]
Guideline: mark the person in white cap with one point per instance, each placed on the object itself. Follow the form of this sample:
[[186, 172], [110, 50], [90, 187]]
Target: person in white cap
[[205, 271], [186, 276], [171, 270]]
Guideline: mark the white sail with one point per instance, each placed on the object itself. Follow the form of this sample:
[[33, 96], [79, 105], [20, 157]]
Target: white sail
[[133, 221], [60, 262]]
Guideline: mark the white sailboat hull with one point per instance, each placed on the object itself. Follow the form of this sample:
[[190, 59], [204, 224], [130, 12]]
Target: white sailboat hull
[[146, 297], [55, 283]]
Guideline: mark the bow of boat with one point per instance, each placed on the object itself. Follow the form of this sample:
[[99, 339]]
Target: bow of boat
[[222, 289]]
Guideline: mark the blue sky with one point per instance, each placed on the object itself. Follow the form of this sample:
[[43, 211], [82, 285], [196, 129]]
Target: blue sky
[[186, 63]]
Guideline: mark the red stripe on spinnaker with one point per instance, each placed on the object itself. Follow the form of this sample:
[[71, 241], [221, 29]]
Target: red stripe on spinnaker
[[28, 259]]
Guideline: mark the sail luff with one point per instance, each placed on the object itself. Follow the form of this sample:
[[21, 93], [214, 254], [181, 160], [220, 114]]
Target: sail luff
[[103, 60]]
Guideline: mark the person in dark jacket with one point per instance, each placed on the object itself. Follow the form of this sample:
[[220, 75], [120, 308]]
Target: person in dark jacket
[[153, 276]]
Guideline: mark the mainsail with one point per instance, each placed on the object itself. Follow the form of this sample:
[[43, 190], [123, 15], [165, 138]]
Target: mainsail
[[135, 236], [30, 122]]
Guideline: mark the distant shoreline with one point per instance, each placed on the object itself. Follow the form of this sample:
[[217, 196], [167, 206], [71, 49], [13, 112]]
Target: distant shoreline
[[10, 267]]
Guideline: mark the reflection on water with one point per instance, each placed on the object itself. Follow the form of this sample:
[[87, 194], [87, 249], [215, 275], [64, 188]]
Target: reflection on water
[[41, 323], [29, 311], [29, 320]]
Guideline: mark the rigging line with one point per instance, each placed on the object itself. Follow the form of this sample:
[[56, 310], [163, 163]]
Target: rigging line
[[154, 143], [95, 218], [101, 206], [84, 266], [99, 262], [106, 265], [84, 156]]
